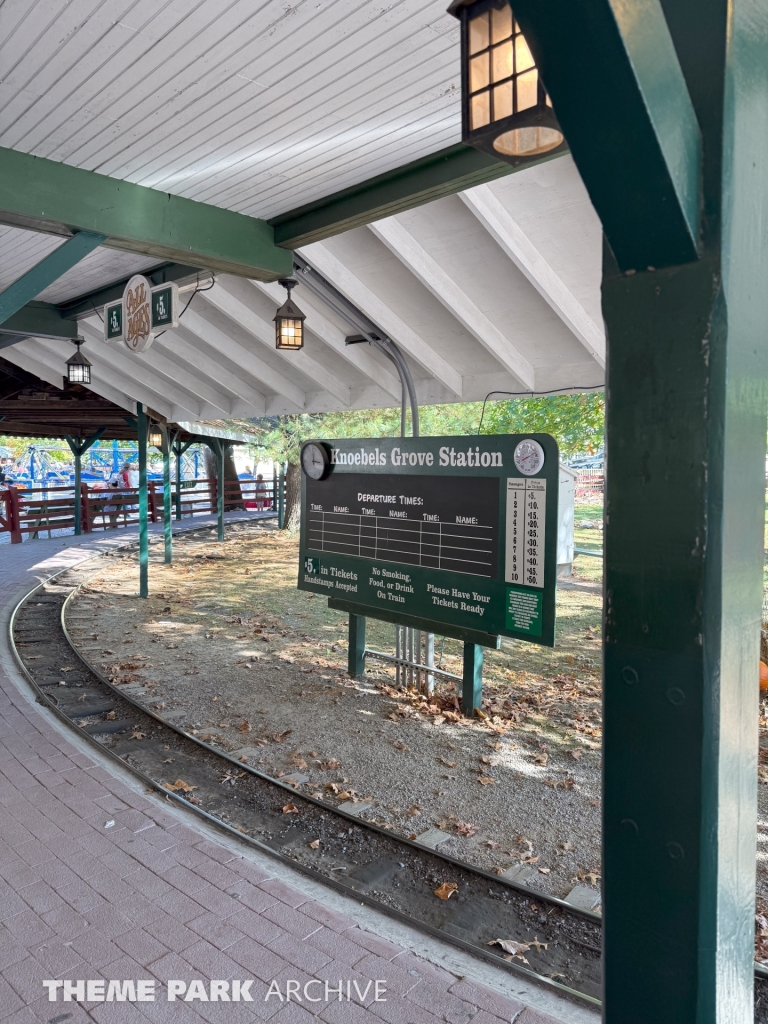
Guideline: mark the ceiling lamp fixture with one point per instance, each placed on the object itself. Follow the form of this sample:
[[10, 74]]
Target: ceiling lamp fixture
[[78, 366], [505, 108], [155, 436], [289, 322]]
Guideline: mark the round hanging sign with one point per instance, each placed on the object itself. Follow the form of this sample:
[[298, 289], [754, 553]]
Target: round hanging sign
[[137, 314]]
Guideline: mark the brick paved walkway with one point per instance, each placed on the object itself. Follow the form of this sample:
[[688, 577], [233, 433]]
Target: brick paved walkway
[[157, 896]]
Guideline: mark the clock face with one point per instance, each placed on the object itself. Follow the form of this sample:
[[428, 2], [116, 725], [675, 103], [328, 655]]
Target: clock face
[[314, 461], [529, 457]]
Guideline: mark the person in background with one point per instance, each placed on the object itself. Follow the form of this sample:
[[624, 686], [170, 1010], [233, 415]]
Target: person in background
[[261, 492], [113, 509]]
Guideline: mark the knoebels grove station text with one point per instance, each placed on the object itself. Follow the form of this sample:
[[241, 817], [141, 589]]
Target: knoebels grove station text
[[446, 457]]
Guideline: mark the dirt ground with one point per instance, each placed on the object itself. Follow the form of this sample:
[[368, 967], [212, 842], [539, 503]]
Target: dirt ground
[[227, 648]]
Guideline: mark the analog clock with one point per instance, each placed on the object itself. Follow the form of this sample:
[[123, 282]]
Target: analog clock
[[529, 457], [315, 461]]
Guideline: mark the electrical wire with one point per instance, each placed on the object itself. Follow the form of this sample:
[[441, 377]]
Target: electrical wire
[[194, 293], [534, 394]]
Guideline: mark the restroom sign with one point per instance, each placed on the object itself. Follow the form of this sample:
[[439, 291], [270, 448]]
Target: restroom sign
[[141, 313]]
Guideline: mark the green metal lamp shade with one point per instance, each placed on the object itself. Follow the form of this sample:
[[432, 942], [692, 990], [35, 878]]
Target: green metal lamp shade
[[78, 367], [505, 108], [289, 323]]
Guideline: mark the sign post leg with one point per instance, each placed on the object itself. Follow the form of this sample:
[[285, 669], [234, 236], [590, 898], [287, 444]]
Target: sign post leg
[[356, 656], [143, 503], [220, 495], [472, 689]]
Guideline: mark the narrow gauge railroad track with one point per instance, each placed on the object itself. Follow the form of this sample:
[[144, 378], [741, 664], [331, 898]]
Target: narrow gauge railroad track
[[354, 857]]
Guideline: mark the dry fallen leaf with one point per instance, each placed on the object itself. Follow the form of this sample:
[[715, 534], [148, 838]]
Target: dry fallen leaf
[[290, 809], [399, 745], [531, 860], [485, 780], [245, 726], [544, 871], [413, 811], [136, 735], [446, 890], [481, 714], [446, 762], [80, 699], [179, 786], [538, 946], [510, 945], [463, 828], [314, 845], [576, 754]]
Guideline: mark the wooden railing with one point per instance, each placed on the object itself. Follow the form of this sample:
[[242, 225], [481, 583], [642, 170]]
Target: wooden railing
[[37, 510]]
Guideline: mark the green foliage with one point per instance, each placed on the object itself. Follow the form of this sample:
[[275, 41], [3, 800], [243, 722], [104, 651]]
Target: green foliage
[[575, 421]]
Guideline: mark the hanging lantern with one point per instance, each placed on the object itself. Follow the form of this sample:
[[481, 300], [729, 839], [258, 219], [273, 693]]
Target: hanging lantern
[[505, 109], [78, 366], [289, 322], [155, 437]]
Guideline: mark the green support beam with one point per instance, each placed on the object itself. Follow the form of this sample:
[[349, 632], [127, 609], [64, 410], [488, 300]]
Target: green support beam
[[47, 196], [441, 174], [628, 117], [142, 433], [167, 517], [39, 320], [48, 270], [687, 401]]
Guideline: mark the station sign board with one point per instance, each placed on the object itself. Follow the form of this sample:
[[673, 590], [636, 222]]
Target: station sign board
[[452, 535], [141, 311]]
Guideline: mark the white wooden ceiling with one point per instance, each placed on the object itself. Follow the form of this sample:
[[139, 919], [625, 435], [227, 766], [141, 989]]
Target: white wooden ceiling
[[495, 289], [258, 106]]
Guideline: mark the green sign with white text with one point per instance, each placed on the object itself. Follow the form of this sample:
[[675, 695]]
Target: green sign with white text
[[453, 535]]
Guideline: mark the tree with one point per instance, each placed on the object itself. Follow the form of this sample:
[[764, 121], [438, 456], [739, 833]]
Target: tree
[[575, 421]]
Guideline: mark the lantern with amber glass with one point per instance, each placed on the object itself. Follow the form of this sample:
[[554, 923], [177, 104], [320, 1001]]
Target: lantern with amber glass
[[505, 109], [78, 366], [155, 436], [289, 322]]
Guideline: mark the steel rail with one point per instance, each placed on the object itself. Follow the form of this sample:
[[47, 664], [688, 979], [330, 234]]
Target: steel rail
[[761, 972]]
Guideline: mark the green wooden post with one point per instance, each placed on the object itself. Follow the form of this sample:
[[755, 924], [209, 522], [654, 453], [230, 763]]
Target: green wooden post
[[220, 450], [78, 495], [472, 681], [78, 449], [143, 427], [356, 653], [685, 501], [178, 452], [167, 517]]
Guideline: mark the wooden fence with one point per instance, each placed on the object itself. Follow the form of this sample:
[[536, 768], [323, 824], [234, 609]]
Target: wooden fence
[[590, 484], [43, 510]]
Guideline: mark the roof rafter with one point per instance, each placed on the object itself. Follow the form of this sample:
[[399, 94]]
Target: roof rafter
[[409, 251], [174, 368], [187, 346], [347, 282], [226, 302], [357, 355], [259, 370], [502, 226]]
